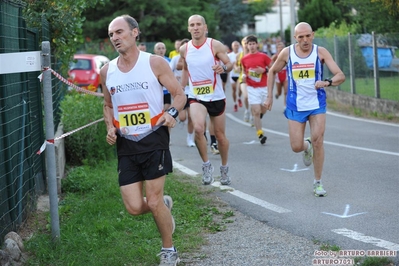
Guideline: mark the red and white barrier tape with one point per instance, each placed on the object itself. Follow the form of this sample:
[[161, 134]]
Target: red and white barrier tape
[[69, 83], [52, 141]]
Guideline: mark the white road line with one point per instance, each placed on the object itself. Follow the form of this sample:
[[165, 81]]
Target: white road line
[[232, 117], [361, 148], [367, 239], [259, 202], [343, 231], [363, 120], [184, 169], [237, 193]]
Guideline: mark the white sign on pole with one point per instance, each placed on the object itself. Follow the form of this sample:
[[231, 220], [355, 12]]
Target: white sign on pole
[[20, 62]]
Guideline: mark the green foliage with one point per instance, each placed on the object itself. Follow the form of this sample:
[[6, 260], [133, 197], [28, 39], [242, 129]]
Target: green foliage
[[319, 13], [373, 261], [94, 221], [369, 14], [233, 14], [158, 19], [333, 29], [65, 20], [259, 7], [79, 181], [87, 145]]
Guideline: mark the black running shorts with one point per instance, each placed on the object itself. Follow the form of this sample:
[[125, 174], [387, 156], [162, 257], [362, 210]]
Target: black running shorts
[[214, 108], [144, 166]]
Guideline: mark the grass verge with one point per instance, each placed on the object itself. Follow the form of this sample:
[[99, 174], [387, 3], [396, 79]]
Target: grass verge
[[96, 229]]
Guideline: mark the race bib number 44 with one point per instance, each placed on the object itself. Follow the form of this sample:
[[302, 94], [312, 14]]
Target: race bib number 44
[[203, 87], [303, 71], [134, 119]]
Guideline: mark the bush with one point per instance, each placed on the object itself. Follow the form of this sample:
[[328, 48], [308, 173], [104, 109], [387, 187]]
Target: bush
[[87, 145]]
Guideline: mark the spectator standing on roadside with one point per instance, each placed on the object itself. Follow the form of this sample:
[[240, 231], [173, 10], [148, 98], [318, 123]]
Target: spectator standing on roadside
[[202, 69], [138, 125], [306, 99]]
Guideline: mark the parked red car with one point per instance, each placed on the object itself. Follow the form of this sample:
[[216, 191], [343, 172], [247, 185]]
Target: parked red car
[[84, 71]]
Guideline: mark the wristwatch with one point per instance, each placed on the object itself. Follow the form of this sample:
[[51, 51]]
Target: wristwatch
[[173, 112], [329, 81], [224, 68]]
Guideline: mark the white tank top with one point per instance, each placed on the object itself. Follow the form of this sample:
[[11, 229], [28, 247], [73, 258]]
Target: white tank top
[[205, 84], [303, 72], [137, 98]]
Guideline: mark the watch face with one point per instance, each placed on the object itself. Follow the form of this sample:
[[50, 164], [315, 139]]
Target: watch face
[[173, 112]]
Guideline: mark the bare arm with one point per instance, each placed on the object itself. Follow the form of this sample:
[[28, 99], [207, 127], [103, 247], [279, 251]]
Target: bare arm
[[338, 76], [108, 108], [180, 63], [220, 52], [184, 74], [276, 67], [165, 76]]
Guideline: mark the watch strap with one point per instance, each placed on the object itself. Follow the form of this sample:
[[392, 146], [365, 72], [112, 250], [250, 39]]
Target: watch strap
[[329, 81]]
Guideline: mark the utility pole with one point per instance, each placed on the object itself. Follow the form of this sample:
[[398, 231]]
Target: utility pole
[[281, 20], [293, 20]]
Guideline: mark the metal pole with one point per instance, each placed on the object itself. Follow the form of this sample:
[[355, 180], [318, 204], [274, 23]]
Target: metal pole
[[50, 148], [351, 67], [376, 72], [281, 21], [21, 166], [293, 16], [336, 57]]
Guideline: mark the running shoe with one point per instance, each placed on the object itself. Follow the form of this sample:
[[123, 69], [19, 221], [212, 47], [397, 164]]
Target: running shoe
[[190, 141], [214, 148], [239, 102], [207, 174], [319, 190], [169, 203], [246, 116], [224, 176], [307, 155], [235, 108], [262, 139], [169, 258]]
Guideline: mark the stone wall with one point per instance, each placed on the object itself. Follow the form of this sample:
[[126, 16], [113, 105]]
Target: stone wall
[[370, 104]]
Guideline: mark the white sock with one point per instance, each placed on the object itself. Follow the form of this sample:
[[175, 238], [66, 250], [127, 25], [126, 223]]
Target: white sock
[[169, 249], [317, 181]]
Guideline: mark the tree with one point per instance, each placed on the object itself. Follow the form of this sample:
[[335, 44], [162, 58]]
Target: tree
[[65, 22], [158, 19], [232, 15], [375, 15], [319, 13], [392, 6], [344, 10], [167, 19], [259, 7]]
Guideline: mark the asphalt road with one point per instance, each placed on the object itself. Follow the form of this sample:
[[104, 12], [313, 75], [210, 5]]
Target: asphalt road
[[271, 184]]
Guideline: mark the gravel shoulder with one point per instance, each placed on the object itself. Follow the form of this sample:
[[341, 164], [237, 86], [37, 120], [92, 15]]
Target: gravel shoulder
[[247, 241]]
